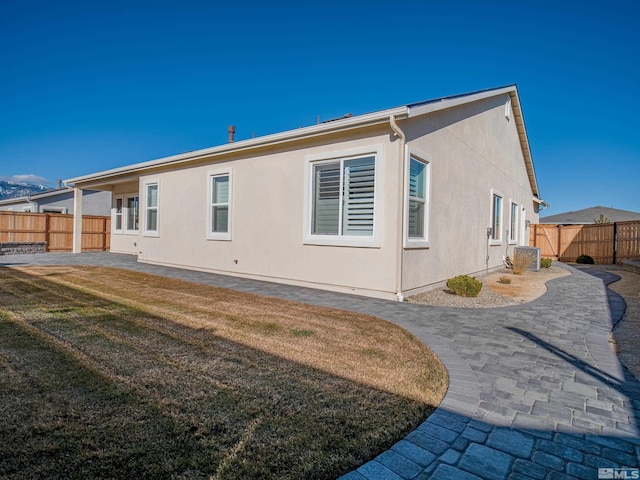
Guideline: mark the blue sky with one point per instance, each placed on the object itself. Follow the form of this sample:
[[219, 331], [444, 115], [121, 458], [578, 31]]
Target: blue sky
[[88, 86]]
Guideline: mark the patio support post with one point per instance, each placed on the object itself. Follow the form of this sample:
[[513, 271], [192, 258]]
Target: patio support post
[[77, 220]]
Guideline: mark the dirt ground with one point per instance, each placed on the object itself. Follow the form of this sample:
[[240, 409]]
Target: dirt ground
[[526, 287], [626, 335], [523, 288]]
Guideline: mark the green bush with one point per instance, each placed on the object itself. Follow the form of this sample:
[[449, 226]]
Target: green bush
[[545, 262], [586, 259], [464, 285]]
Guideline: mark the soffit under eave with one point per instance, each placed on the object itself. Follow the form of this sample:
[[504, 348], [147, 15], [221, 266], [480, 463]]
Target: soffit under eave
[[524, 140], [105, 184]]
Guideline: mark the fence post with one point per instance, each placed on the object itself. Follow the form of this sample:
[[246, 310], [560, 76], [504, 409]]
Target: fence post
[[559, 241], [615, 243], [47, 231], [104, 234]]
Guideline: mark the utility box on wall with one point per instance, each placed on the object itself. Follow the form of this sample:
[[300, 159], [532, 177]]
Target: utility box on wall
[[534, 252]]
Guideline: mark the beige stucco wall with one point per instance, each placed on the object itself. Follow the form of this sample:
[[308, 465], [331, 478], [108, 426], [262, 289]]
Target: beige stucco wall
[[474, 150], [268, 192]]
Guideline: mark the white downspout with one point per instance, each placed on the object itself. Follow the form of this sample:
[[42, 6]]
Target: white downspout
[[400, 134]]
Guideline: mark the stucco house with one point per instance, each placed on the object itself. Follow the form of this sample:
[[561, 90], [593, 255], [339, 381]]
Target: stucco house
[[385, 204], [59, 200]]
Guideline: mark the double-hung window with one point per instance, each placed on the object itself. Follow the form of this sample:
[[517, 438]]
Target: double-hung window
[[219, 225], [513, 230], [496, 218], [417, 190], [117, 214], [151, 208], [341, 198], [132, 213]]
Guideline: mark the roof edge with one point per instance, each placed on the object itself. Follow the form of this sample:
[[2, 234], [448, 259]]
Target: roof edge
[[359, 121]]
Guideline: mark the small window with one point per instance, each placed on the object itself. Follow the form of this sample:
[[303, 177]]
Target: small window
[[151, 208], [220, 206], [513, 230], [132, 214], [507, 108], [496, 218], [117, 214], [417, 190]]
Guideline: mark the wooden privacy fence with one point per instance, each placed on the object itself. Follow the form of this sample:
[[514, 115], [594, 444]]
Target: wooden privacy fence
[[56, 230], [606, 243]]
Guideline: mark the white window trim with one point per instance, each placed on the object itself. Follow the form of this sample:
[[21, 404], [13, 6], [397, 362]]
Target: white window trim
[[498, 240], [343, 240], [125, 211], [114, 214], [142, 208], [426, 159], [514, 241], [210, 235]]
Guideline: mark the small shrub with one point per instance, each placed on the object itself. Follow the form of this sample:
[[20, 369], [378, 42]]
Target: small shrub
[[586, 259], [545, 262], [522, 261], [505, 280], [464, 285]]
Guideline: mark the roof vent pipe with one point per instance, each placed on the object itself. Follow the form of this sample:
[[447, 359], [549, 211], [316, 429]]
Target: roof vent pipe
[[231, 130]]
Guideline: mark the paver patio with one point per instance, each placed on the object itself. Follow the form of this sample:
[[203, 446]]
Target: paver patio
[[535, 390]]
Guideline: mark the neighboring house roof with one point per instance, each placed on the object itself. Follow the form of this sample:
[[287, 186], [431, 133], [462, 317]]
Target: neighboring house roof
[[590, 215], [342, 124], [34, 197]]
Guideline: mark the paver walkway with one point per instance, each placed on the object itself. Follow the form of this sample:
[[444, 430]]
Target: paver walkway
[[535, 390]]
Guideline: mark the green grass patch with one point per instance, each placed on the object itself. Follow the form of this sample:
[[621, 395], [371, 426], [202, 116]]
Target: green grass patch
[[374, 353], [302, 332]]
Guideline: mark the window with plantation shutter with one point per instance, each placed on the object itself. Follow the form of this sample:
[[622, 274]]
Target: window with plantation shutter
[[344, 197], [358, 192], [327, 199]]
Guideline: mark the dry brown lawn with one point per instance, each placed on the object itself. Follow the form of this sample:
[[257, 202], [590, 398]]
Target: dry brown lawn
[[107, 373]]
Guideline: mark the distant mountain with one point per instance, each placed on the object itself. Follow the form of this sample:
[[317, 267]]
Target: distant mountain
[[19, 189]]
